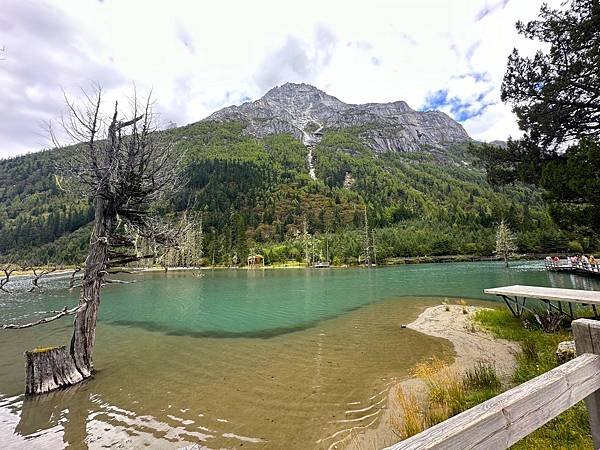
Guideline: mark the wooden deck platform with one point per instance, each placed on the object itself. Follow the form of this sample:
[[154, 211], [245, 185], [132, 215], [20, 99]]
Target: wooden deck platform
[[578, 269], [511, 295]]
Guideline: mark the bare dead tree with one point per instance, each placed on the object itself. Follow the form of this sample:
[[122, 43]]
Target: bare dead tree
[[37, 276], [124, 166], [166, 249], [7, 270]]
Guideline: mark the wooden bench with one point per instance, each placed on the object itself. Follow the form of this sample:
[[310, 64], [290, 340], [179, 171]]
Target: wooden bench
[[511, 295], [505, 419]]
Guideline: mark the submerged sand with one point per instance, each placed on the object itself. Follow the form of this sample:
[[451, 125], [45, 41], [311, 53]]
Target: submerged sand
[[312, 388], [295, 390], [471, 344]]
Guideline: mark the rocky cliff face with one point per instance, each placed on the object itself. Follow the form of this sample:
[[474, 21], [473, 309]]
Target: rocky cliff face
[[301, 109]]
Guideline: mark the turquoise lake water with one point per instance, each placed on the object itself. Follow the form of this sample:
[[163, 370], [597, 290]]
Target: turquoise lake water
[[259, 358], [262, 303]]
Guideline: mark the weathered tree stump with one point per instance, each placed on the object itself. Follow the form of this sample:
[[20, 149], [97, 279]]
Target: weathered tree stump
[[48, 369]]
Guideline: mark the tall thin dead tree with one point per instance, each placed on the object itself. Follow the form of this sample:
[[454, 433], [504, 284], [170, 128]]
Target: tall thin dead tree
[[306, 242], [367, 241], [190, 250], [124, 166], [505, 242]]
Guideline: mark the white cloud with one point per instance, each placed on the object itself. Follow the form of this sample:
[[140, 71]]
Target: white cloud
[[200, 56]]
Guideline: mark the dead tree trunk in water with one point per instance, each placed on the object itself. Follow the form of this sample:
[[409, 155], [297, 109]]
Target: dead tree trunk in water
[[124, 171], [49, 369], [84, 333], [55, 367], [38, 276]]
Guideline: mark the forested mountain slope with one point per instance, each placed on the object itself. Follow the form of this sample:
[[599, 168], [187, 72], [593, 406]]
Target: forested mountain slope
[[256, 193]]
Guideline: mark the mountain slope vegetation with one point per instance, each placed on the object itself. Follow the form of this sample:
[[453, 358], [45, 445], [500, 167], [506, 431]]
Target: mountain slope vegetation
[[256, 195]]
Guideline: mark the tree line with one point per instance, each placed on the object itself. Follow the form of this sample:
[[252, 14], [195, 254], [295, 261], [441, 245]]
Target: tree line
[[256, 194]]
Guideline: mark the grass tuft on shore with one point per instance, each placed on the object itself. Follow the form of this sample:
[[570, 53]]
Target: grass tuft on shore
[[413, 419], [447, 394], [482, 376]]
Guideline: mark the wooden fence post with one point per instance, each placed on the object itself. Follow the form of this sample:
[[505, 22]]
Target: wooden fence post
[[587, 340]]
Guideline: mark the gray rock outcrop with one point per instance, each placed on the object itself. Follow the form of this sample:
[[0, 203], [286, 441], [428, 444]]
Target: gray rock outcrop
[[292, 108]]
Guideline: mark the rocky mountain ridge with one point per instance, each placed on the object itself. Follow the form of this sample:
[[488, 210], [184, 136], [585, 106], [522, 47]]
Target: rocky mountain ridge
[[302, 109]]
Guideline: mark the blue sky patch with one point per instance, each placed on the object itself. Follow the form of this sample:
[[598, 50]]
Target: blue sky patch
[[479, 77], [460, 110]]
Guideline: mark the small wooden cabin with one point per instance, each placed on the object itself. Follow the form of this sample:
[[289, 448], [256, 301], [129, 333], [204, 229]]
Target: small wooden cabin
[[256, 260]]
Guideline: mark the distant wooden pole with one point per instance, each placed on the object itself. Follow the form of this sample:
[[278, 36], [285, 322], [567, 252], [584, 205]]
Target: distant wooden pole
[[587, 340], [367, 253]]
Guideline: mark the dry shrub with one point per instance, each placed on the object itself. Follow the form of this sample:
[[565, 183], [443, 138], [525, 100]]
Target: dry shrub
[[412, 420], [446, 389], [446, 397], [551, 321], [358, 441], [446, 305]]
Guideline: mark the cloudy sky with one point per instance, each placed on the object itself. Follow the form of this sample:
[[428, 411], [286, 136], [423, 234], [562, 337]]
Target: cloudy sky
[[199, 56]]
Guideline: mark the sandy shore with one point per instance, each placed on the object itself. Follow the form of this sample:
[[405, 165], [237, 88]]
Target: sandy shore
[[471, 345]]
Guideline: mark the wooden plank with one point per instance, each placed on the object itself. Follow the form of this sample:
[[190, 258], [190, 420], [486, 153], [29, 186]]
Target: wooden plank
[[587, 340], [503, 420], [546, 293]]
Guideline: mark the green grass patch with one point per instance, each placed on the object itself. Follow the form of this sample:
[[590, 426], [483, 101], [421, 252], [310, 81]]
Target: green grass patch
[[482, 376], [569, 430]]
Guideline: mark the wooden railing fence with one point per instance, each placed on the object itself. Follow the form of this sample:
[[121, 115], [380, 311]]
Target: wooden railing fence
[[505, 419]]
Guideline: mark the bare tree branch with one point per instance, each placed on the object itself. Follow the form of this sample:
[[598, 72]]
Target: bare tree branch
[[72, 280], [62, 313], [37, 276], [114, 281]]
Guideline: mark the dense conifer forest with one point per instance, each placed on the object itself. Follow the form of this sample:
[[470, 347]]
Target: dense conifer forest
[[255, 195]]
